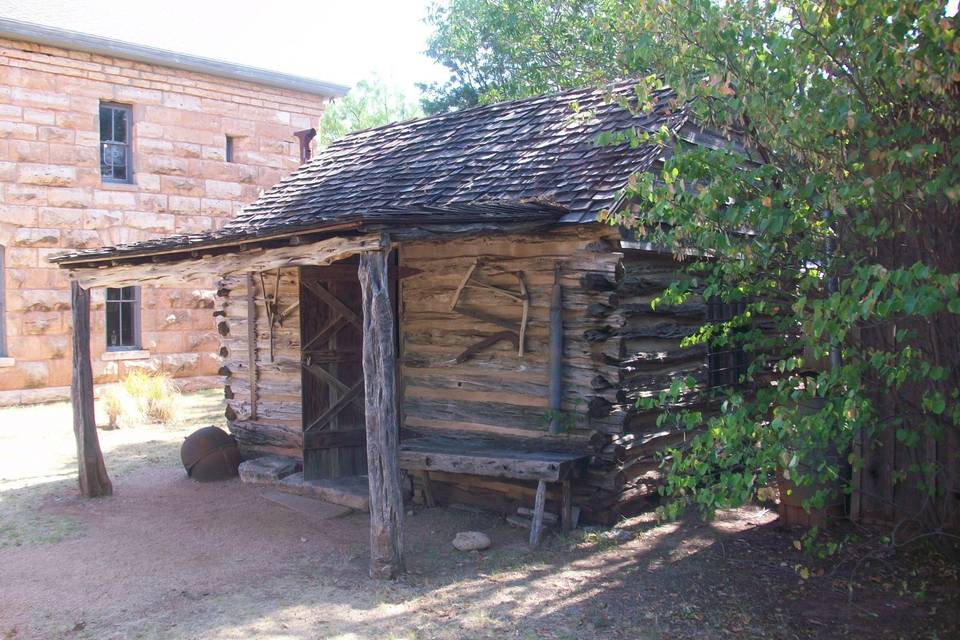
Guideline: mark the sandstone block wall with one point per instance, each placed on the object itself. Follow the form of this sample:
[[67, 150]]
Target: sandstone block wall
[[52, 199]]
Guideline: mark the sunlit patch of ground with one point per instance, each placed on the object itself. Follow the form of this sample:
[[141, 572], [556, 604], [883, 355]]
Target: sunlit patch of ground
[[38, 460]]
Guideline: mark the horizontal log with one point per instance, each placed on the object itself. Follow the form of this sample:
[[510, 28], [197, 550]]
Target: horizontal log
[[205, 269]]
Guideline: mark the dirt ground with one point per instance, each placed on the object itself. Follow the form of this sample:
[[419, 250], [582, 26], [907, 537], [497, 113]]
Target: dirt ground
[[166, 557]]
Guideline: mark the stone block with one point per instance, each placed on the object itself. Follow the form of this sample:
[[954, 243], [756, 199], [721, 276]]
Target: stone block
[[156, 202], [31, 237], [71, 154], [8, 170], [179, 101], [153, 222], [21, 257], [187, 149], [180, 186], [42, 99], [69, 198], [115, 198], [101, 219], [147, 181], [268, 469], [45, 300], [81, 239], [216, 207], [25, 194], [29, 151], [13, 112], [77, 121], [49, 175], [137, 95], [17, 130], [164, 165], [41, 323], [56, 134], [351, 491], [182, 204]]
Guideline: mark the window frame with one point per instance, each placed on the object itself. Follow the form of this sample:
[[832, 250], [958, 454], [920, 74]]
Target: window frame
[[135, 305], [727, 363], [127, 144]]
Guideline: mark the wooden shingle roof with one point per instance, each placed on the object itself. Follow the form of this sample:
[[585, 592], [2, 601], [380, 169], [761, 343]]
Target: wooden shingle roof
[[532, 149], [535, 159]]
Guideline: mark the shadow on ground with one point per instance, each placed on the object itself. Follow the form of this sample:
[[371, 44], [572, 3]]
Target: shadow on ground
[[167, 557]]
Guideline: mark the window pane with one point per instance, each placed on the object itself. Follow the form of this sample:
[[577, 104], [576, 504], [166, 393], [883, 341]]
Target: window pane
[[113, 324], [120, 125], [113, 294], [127, 338], [128, 293], [106, 124]]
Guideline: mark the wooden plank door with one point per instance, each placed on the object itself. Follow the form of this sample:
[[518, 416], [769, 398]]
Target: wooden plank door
[[331, 325]]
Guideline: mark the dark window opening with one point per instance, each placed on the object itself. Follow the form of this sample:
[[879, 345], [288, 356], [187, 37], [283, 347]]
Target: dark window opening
[[3, 304], [115, 157], [123, 319], [228, 151], [726, 360]]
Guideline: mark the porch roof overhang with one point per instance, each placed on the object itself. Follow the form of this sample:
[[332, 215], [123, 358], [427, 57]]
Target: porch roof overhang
[[189, 258]]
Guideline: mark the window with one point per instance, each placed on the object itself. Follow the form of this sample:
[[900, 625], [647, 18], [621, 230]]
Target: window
[[3, 304], [115, 157], [228, 152], [123, 319], [726, 359]]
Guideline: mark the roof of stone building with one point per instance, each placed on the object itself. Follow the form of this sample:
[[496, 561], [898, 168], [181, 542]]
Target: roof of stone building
[[76, 41], [531, 157]]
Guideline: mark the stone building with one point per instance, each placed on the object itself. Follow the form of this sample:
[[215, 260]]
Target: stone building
[[105, 142]]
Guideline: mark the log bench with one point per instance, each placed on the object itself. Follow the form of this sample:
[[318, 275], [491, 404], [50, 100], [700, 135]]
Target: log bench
[[497, 460]]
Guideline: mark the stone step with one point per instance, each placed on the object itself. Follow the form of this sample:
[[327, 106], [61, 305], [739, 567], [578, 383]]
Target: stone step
[[350, 491], [268, 469], [320, 509]]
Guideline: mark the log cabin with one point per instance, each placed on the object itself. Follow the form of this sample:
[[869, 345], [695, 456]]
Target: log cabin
[[439, 299]]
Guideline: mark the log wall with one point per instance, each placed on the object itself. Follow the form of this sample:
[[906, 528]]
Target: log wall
[[276, 428], [643, 345], [616, 349], [497, 392]]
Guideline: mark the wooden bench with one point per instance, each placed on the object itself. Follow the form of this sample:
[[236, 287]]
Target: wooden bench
[[497, 460]]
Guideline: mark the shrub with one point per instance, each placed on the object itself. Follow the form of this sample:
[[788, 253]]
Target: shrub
[[155, 394], [121, 408]]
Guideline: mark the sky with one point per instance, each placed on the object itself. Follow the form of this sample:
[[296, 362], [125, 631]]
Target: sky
[[342, 41]]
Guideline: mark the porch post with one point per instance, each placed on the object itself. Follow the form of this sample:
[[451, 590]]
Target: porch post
[[94, 481], [379, 378]]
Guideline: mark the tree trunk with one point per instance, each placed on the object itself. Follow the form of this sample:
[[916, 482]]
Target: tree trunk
[[383, 461], [94, 481]]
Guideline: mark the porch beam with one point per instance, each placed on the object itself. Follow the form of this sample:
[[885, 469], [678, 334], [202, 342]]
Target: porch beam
[[94, 481], [204, 269], [383, 459]]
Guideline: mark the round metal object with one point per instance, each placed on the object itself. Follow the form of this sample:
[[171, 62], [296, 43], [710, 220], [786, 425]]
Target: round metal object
[[210, 454]]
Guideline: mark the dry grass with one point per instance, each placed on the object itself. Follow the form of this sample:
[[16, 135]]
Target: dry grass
[[144, 396]]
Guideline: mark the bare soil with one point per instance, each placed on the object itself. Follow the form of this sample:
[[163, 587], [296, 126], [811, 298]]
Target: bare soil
[[167, 557]]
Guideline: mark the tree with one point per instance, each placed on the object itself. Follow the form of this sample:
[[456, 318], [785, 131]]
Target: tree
[[504, 49], [834, 227], [372, 103], [852, 110]]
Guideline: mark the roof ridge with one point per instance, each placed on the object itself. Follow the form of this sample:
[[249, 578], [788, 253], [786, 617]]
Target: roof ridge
[[613, 86]]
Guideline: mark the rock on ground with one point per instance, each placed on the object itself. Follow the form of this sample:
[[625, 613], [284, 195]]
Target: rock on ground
[[471, 541]]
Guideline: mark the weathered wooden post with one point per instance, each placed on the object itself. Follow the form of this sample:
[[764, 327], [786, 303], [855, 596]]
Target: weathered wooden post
[[94, 481], [383, 459]]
